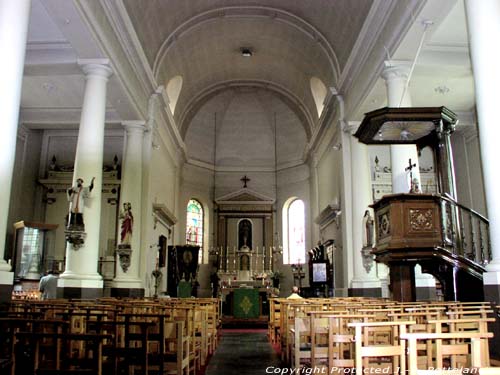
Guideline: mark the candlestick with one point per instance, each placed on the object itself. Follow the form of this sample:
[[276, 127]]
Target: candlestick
[[234, 259], [271, 260]]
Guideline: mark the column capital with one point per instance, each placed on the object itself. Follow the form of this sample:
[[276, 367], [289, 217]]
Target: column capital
[[350, 127], [96, 67], [396, 69], [134, 126]]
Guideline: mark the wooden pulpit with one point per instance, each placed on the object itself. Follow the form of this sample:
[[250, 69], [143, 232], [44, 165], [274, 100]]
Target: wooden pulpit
[[408, 228], [424, 229]]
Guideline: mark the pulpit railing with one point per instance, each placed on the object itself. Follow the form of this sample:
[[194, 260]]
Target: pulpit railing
[[465, 231]]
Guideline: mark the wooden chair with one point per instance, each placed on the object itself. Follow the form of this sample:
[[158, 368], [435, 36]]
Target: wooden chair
[[367, 347], [62, 360], [478, 325], [301, 344], [473, 349]]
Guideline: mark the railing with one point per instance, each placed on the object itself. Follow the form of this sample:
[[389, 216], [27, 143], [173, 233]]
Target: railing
[[465, 231]]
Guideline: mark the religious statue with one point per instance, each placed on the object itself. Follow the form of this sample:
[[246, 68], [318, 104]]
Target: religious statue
[[127, 224], [245, 263], [415, 186], [76, 196], [368, 241], [368, 231]]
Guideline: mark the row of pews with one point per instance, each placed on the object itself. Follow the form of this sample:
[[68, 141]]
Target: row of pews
[[373, 335], [108, 336]]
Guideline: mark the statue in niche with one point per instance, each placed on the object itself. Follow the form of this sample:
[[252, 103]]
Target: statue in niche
[[245, 234], [127, 224], [76, 196]]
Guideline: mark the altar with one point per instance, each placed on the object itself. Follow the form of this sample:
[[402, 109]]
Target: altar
[[244, 255], [245, 304]]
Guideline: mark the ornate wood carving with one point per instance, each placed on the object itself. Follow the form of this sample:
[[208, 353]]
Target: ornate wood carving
[[421, 220]]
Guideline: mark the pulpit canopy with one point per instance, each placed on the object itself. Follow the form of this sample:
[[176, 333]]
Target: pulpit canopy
[[407, 125]]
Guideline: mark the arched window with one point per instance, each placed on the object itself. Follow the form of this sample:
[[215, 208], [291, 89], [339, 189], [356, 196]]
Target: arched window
[[318, 90], [173, 89], [194, 226], [294, 232]]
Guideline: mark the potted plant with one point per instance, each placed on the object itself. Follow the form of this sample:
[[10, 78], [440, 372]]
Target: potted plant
[[275, 276]]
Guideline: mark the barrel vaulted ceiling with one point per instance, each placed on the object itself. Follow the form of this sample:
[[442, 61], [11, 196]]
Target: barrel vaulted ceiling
[[291, 40], [342, 43]]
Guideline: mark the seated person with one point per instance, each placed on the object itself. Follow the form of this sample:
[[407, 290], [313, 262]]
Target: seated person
[[295, 293]]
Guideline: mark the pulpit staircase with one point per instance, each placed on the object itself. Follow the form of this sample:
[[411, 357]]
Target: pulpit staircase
[[449, 241], [461, 261]]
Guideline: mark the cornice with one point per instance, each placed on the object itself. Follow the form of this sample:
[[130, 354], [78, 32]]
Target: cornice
[[372, 27], [393, 26], [113, 40]]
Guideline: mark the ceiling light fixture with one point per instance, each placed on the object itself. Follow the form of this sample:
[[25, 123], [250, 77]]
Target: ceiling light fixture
[[443, 90], [246, 52]]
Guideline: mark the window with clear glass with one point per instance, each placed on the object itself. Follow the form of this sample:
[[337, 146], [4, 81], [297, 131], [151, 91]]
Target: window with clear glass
[[295, 246], [194, 226]]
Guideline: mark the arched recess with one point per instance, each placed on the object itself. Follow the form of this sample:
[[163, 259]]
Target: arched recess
[[294, 228], [318, 91], [174, 87], [293, 102]]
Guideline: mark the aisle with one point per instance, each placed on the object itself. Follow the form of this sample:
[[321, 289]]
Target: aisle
[[243, 352]]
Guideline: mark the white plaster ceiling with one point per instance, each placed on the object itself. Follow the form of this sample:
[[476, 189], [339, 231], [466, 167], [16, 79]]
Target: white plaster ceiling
[[246, 119], [292, 42], [443, 72]]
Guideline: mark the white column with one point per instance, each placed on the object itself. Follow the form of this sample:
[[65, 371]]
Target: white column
[[131, 192], [14, 19], [395, 75], [483, 18], [81, 264], [362, 198]]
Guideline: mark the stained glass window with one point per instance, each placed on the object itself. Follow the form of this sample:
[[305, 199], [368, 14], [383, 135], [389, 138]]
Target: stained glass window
[[296, 245], [194, 226]]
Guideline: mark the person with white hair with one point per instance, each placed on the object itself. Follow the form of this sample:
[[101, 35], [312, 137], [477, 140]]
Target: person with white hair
[[295, 293]]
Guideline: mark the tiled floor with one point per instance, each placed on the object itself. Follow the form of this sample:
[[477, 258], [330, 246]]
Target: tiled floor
[[243, 352]]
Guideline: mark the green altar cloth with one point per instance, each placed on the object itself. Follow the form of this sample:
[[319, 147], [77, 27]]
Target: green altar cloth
[[246, 303], [184, 289]]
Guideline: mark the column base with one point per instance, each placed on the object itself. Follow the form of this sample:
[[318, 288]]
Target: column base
[[365, 288], [131, 288], [76, 288], [6, 286], [491, 288], [426, 293], [127, 292]]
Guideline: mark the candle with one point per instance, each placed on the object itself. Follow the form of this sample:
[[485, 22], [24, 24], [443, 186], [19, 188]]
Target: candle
[[234, 259], [227, 259], [263, 258]]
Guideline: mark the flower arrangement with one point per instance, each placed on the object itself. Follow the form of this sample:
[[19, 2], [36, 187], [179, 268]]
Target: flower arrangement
[[276, 275]]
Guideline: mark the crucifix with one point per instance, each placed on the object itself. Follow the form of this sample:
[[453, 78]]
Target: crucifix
[[245, 179], [409, 168]]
